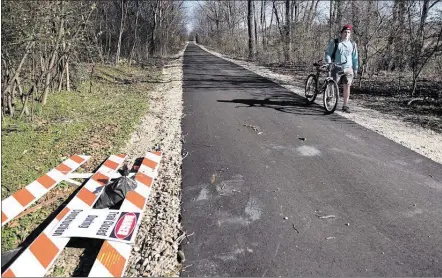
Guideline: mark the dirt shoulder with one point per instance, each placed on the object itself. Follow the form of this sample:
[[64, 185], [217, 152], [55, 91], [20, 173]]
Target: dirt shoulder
[[156, 246], [424, 141]]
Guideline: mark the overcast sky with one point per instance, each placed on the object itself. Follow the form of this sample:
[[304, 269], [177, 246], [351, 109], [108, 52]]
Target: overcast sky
[[190, 7]]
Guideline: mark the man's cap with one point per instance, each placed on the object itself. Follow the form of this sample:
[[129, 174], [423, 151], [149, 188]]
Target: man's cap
[[347, 27]]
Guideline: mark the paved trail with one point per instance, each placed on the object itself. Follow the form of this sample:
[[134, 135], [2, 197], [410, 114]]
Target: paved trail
[[262, 202]]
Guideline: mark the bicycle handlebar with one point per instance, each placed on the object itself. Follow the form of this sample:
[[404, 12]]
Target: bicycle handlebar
[[319, 63]]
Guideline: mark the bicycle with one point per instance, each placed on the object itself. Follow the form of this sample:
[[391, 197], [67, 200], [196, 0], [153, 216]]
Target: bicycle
[[329, 87]]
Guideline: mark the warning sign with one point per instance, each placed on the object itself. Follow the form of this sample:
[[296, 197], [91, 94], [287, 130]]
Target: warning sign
[[98, 223]]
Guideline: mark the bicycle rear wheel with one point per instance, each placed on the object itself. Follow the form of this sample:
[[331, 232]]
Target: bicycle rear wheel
[[331, 96], [311, 88]]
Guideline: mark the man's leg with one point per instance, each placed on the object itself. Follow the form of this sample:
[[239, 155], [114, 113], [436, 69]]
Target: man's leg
[[346, 93], [347, 80]]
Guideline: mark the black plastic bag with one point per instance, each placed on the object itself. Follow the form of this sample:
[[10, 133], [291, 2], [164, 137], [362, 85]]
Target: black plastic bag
[[116, 191]]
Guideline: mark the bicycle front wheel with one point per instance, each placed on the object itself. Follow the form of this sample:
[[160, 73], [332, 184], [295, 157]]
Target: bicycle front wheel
[[331, 96], [311, 88]]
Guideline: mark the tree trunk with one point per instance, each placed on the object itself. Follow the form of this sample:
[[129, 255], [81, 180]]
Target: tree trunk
[[263, 24], [338, 23], [331, 20], [68, 77], [99, 47], [400, 42], [355, 18], [307, 12], [25, 110], [391, 50], [281, 31], [278, 22], [117, 57], [91, 78], [18, 70], [135, 35], [294, 29], [25, 99], [62, 69], [52, 63], [65, 68], [146, 47], [109, 37], [33, 91], [311, 14], [365, 37], [9, 99], [256, 28], [153, 40], [287, 35], [160, 30], [20, 90], [417, 45], [250, 29], [5, 76], [423, 54]]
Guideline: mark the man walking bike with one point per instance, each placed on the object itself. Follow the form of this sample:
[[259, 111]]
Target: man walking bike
[[343, 50]]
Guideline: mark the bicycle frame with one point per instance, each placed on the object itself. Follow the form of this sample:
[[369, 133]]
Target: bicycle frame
[[330, 67], [327, 86]]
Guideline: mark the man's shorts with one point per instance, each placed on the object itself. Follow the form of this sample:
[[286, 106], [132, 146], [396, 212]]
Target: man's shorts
[[346, 75]]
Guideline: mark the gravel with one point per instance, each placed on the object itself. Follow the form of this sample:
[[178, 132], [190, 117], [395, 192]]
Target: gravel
[[156, 246]]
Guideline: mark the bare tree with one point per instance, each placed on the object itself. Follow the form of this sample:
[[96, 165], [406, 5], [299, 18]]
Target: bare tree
[[287, 34], [424, 43], [123, 4], [42, 39], [250, 29], [135, 38]]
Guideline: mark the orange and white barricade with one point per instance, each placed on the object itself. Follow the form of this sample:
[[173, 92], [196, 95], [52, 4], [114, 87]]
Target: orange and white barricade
[[38, 257], [113, 257], [25, 197]]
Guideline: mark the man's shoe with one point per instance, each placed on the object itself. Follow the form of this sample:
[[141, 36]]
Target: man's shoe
[[346, 109]]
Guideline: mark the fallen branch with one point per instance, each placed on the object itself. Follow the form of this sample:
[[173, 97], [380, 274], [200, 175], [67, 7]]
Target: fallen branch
[[413, 100]]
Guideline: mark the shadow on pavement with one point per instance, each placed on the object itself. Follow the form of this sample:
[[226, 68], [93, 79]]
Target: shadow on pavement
[[208, 74]]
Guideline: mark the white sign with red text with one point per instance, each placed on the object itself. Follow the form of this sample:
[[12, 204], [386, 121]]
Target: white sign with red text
[[113, 225]]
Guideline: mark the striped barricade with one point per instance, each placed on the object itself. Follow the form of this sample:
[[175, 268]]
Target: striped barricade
[[41, 254], [25, 197], [113, 257]]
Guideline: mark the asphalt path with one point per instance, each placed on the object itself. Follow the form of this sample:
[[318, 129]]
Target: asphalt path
[[272, 187]]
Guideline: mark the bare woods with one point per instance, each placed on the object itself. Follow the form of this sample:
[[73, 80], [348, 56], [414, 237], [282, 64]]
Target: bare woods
[[395, 37], [42, 40]]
